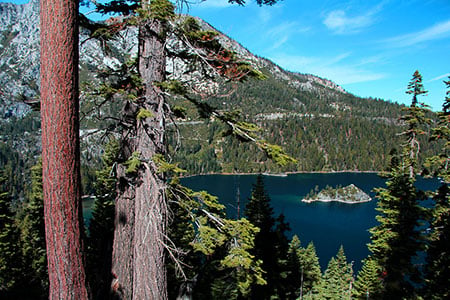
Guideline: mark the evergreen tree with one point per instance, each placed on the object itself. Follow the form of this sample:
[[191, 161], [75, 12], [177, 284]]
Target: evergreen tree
[[10, 259], [32, 232], [138, 267], [61, 148], [368, 283], [338, 278], [310, 267], [396, 240], [294, 275], [258, 209], [270, 242], [101, 225], [415, 87], [209, 255], [437, 270], [303, 270]]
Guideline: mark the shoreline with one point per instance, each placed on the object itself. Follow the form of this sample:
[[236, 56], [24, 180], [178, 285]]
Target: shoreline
[[334, 200], [284, 174]]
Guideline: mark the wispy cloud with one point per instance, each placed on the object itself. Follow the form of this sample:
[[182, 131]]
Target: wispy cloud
[[333, 68], [437, 31], [341, 23], [212, 3], [443, 76], [284, 31]]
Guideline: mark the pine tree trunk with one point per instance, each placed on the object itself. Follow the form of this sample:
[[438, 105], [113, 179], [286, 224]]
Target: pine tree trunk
[[60, 148], [141, 212]]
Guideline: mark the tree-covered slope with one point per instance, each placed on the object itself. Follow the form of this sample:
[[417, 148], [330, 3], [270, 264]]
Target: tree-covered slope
[[324, 127]]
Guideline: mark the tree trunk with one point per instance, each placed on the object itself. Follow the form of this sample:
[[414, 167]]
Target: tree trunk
[[60, 148], [141, 212]]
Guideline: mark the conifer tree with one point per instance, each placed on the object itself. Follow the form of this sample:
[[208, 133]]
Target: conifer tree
[[145, 218], [312, 275], [437, 270], [10, 259], [415, 88], [368, 283], [61, 148], [101, 225], [294, 272], [273, 254], [32, 231], [396, 240], [338, 278], [303, 270]]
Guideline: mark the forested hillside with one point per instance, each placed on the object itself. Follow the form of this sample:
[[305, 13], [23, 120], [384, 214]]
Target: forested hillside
[[324, 127], [223, 109]]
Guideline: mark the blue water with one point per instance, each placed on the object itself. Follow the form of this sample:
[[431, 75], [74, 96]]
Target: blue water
[[328, 225]]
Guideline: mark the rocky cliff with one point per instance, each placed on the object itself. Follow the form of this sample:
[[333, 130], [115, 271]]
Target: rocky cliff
[[19, 58]]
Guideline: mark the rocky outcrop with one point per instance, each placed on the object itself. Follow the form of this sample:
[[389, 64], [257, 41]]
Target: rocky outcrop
[[19, 58], [350, 194], [19, 55]]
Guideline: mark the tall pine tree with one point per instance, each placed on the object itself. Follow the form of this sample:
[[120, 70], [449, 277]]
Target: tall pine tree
[[303, 270], [270, 242], [10, 258], [368, 284], [338, 278], [32, 232], [310, 267], [397, 239], [145, 218], [61, 148], [437, 271], [294, 274]]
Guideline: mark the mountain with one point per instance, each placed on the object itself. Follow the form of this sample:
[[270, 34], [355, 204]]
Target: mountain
[[325, 127]]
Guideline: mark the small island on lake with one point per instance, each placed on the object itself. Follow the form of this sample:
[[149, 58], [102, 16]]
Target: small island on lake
[[350, 194]]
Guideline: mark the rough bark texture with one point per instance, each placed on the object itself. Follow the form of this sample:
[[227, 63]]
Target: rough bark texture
[[141, 212], [60, 148]]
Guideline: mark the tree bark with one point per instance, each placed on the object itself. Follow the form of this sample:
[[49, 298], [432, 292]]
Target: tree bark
[[60, 148], [141, 212]]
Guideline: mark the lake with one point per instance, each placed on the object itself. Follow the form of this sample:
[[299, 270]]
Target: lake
[[328, 225]]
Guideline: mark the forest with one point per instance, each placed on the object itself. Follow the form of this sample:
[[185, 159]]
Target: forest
[[152, 238]]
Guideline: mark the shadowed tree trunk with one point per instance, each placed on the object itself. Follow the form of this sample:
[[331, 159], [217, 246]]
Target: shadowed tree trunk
[[60, 148], [141, 212]]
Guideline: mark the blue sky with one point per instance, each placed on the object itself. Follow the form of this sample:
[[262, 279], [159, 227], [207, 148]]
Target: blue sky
[[370, 48]]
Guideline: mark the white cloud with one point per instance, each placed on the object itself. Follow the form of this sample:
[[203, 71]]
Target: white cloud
[[443, 76], [339, 22], [283, 32], [438, 31], [212, 3], [332, 68]]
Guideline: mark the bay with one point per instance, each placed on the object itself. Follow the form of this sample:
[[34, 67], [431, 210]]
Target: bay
[[329, 225]]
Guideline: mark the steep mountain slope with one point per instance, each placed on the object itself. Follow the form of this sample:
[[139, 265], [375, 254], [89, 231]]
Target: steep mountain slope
[[320, 124]]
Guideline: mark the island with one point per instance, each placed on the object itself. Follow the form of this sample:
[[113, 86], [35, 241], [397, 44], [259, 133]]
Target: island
[[350, 194]]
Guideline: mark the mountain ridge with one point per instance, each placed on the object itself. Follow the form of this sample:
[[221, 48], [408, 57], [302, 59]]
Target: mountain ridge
[[19, 45], [323, 126]]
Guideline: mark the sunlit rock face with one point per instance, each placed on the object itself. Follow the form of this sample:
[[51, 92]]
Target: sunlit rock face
[[19, 59]]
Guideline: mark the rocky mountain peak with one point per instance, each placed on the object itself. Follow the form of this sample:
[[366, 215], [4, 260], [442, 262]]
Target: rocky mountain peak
[[19, 57]]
